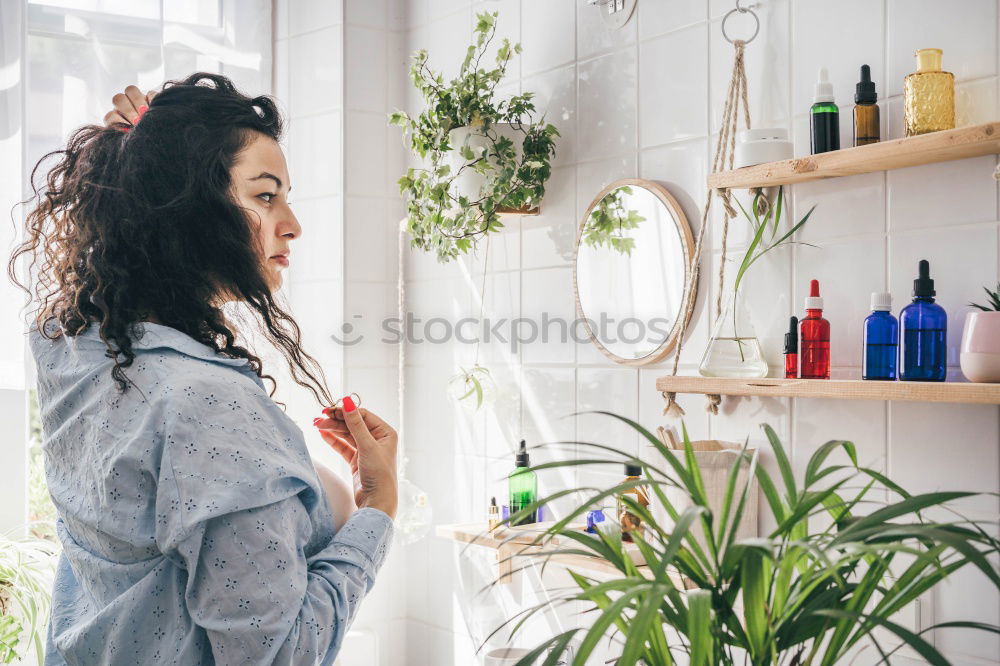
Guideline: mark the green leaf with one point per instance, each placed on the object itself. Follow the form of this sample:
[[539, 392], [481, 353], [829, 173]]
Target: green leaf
[[915, 642], [700, 627]]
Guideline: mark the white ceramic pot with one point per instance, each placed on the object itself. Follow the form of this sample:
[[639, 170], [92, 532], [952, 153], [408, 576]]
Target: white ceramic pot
[[980, 353], [505, 656], [470, 182]]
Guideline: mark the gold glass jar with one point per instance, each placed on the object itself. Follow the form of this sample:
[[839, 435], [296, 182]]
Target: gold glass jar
[[928, 95]]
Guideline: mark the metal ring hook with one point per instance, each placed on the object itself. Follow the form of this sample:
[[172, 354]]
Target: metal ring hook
[[741, 10]]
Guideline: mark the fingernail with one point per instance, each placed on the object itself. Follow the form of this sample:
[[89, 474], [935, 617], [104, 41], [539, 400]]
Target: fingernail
[[316, 420], [348, 404], [328, 410], [142, 109]]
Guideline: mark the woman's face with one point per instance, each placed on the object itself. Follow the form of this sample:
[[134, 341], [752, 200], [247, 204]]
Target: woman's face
[[260, 182]]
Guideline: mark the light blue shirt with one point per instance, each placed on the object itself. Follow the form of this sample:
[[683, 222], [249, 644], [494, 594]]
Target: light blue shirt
[[194, 526]]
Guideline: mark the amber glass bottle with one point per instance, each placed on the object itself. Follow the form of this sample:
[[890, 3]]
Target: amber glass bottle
[[631, 523], [928, 96], [866, 120]]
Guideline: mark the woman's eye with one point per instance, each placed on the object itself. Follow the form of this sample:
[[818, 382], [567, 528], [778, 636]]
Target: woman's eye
[[267, 194]]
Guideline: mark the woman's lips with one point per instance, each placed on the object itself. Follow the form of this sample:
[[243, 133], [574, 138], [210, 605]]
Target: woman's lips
[[281, 259]]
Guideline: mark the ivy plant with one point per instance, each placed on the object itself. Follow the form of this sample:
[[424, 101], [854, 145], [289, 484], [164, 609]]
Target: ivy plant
[[439, 217], [610, 219]]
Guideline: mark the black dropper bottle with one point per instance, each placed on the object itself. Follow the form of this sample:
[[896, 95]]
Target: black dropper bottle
[[792, 349], [866, 115]]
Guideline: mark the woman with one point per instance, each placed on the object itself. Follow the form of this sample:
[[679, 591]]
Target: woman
[[195, 527]]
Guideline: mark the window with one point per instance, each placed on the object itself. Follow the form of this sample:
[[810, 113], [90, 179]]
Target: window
[[61, 61]]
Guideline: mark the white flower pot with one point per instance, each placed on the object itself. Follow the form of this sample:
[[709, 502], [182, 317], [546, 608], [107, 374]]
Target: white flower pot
[[980, 352], [470, 183]]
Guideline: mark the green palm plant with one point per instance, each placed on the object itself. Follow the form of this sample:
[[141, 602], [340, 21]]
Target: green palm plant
[[799, 595]]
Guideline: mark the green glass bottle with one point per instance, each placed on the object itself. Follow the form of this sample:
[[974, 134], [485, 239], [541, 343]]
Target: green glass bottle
[[523, 487], [825, 117]]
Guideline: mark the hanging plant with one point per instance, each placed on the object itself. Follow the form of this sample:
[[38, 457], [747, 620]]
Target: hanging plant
[[472, 387], [609, 221], [482, 155]]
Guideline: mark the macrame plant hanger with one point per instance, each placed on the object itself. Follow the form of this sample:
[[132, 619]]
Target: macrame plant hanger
[[723, 160]]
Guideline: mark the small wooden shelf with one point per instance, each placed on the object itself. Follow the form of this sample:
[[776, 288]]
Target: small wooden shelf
[[511, 542], [942, 146], [843, 389]]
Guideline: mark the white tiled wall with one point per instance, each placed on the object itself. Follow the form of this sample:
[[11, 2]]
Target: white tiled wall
[[646, 100], [333, 74]]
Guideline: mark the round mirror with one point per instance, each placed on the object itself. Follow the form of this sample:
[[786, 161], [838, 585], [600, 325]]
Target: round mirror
[[633, 256]]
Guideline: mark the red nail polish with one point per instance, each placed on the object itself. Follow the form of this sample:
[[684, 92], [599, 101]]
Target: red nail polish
[[348, 404], [328, 410]]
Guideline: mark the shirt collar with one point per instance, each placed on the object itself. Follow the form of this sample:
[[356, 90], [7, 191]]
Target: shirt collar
[[157, 336]]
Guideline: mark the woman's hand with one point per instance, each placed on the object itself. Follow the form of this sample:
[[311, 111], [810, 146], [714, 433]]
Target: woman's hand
[[368, 444], [127, 105]]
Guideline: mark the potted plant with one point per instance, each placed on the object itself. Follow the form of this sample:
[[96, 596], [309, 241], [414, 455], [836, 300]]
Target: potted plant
[[26, 571], [483, 155], [980, 355], [810, 591]]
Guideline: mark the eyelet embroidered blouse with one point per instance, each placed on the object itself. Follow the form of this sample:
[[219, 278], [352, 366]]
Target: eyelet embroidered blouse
[[194, 526]]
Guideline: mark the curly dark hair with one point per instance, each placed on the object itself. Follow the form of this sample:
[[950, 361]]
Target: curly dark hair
[[145, 221]]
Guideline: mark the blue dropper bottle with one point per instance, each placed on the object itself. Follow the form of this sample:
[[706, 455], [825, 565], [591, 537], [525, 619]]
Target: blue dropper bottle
[[923, 333], [881, 340]]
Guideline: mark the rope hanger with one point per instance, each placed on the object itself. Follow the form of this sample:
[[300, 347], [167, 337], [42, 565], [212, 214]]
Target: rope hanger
[[724, 154]]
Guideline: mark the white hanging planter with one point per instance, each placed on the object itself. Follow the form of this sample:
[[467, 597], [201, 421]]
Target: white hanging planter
[[469, 183]]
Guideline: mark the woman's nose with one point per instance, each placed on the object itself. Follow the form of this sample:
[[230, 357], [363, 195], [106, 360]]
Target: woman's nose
[[292, 229]]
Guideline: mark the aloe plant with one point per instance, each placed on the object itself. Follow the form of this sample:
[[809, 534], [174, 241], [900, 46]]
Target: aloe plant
[[799, 595], [993, 300]]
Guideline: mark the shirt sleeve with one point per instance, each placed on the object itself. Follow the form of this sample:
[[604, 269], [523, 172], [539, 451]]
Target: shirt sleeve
[[234, 506]]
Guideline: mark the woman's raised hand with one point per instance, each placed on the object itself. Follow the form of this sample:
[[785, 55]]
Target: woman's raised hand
[[368, 444], [127, 106]]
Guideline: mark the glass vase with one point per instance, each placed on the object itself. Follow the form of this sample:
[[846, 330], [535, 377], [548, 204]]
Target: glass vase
[[733, 350]]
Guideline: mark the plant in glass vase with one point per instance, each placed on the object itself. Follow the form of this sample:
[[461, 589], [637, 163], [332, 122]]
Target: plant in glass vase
[[482, 155], [734, 350]]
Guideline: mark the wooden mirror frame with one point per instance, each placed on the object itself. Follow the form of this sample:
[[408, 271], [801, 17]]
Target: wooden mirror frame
[[687, 240]]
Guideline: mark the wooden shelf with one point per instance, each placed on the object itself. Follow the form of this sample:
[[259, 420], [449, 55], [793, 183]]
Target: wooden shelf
[[842, 389], [942, 146], [513, 542]]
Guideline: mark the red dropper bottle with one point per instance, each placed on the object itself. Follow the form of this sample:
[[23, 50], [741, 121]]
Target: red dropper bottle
[[814, 347]]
